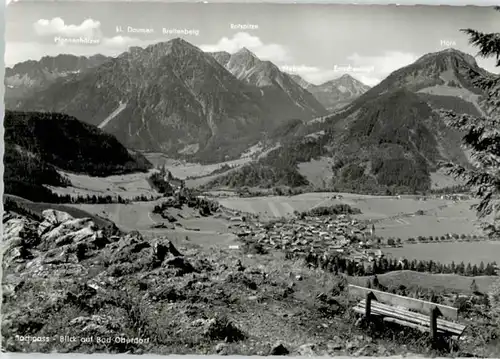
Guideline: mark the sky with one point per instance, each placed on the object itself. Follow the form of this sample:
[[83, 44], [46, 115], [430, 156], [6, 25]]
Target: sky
[[318, 42]]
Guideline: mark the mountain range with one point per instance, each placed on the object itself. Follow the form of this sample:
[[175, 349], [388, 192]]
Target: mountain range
[[335, 93], [390, 138], [27, 77], [174, 98], [289, 98]]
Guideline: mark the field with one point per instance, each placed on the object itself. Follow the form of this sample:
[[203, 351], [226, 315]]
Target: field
[[392, 217], [205, 231], [127, 186], [182, 169], [448, 252]]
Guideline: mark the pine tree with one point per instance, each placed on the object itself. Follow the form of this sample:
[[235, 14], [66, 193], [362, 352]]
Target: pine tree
[[475, 270], [468, 270], [489, 270], [413, 265], [461, 268], [420, 266], [482, 135], [481, 268]]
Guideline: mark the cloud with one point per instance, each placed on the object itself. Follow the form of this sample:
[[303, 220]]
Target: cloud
[[272, 52], [57, 27], [124, 42]]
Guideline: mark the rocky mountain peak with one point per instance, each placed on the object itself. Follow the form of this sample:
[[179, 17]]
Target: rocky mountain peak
[[452, 57], [176, 47], [346, 77], [243, 59], [245, 52]]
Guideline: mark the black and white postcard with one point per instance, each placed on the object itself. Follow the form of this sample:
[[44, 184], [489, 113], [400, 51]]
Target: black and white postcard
[[251, 179]]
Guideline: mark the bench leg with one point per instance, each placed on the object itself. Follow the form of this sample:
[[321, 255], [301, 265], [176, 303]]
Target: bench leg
[[433, 324], [368, 305]]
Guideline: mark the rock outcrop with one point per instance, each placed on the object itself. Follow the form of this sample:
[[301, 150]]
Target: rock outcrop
[[67, 265]]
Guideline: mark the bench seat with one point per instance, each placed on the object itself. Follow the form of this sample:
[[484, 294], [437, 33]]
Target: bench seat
[[411, 319]]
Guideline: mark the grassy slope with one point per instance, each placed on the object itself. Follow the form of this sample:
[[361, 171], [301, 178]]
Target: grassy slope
[[273, 300]]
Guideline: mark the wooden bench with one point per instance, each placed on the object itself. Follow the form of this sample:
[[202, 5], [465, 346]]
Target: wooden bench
[[397, 309]]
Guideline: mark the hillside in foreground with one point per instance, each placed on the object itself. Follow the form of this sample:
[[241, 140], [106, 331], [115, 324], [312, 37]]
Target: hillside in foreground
[[37, 145], [63, 276]]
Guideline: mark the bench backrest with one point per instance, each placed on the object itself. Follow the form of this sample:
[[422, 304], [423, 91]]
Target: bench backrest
[[410, 303]]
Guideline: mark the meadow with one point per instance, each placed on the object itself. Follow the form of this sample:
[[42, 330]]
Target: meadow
[[441, 282], [127, 186], [190, 227], [447, 252]]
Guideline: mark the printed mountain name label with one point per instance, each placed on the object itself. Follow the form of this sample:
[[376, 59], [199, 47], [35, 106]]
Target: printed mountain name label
[[76, 40], [195, 32], [448, 43], [136, 30], [244, 27]]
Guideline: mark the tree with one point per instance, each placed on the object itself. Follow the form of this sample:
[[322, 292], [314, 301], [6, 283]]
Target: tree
[[461, 268], [481, 268], [482, 136], [468, 270], [391, 242], [489, 270]]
